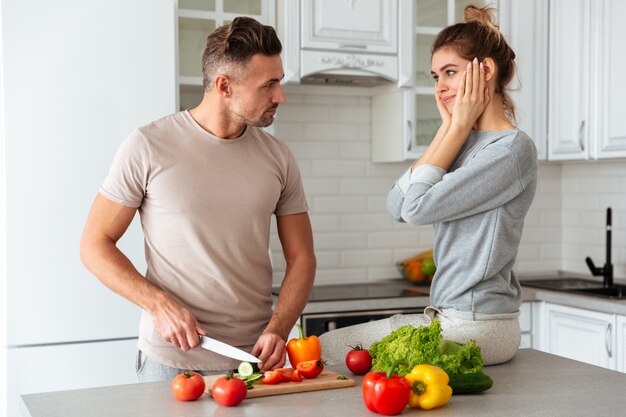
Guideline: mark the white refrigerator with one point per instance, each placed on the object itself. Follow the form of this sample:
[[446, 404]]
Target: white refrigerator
[[77, 76]]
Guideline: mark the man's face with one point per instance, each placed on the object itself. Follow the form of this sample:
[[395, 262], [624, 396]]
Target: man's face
[[255, 99]]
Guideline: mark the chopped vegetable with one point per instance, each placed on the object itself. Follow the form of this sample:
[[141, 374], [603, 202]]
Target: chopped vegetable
[[296, 377], [429, 387], [425, 345], [271, 377], [245, 369], [310, 369], [286, 374]]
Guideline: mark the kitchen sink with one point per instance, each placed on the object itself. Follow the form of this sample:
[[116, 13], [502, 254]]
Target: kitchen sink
[[616, 291], [580, 286]]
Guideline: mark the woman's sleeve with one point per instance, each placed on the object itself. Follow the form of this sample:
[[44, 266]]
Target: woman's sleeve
[[491, 179]]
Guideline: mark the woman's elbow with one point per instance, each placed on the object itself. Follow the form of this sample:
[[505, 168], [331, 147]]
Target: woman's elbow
[[394, 210], [412, 215]]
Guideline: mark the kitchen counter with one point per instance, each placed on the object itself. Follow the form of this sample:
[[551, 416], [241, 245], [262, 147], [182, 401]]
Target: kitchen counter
[[533, 383], [603, 305]]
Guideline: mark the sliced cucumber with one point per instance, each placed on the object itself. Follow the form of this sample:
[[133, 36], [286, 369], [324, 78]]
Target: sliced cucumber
[[254, 377], [245, 369]]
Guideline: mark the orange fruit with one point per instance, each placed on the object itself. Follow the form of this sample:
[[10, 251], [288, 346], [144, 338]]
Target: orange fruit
[[413, 271]]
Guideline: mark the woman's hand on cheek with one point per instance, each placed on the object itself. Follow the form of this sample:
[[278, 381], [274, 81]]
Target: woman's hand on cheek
[[472, 96]]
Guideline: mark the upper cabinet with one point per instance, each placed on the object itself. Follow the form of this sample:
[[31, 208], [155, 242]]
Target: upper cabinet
[[345, 42], [570, 96], [586, 107], [196, 20], [611, 126], [525, 26]]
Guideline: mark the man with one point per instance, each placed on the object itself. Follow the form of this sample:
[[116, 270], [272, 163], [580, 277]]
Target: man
[[206, 183]]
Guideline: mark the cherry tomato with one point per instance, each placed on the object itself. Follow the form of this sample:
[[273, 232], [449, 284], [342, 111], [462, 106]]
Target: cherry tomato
[[188, 386], [271, 377], [285, 374], [310, 369], [229, 390], [358, 360], [296, 377]]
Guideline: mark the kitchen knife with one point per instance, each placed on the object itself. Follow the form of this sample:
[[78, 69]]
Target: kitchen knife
[[226, 350]]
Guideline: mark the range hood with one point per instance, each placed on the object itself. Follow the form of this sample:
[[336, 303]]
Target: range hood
[[346, 80], [347, 68], [362, 43]]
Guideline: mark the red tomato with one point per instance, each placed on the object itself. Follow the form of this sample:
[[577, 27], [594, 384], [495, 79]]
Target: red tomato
[[311, 369], [296, 377], [285, 374], [359, 360], [229, 390], [271, 377], [188, 386]]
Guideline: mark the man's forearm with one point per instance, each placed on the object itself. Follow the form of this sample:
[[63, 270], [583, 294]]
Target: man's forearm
[[103, 259], [294, 294]]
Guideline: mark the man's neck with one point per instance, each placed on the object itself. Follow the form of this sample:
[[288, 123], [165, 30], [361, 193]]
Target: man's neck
[[213, 118]]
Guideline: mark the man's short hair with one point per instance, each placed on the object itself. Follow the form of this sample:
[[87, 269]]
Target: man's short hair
[[231, 46]]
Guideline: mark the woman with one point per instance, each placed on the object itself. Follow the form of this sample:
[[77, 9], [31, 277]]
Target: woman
[[474, 183]]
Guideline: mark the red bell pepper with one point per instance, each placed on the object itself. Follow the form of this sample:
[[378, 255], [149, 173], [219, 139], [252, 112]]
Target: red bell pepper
[[386, 393]]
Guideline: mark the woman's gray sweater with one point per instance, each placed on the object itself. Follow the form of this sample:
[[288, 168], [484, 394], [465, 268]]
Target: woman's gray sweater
[[478, 211]]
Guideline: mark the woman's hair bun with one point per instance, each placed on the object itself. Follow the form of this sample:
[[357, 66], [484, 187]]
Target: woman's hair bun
[[481, 15]]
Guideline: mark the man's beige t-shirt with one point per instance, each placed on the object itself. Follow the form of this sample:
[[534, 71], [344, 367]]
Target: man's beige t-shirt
[[206, 205]]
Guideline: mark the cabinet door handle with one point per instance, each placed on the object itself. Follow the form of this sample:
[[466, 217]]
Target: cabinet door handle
[[409, 136], [346, 45], [607, 340], [581, 134]]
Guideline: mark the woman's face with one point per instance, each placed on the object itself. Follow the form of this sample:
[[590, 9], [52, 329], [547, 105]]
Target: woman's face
[[446, 68]]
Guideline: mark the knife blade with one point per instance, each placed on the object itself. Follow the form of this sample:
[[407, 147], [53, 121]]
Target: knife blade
[[225, 349]]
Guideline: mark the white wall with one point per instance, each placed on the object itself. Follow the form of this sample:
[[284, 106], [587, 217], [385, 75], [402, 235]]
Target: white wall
[[588, 188], [356, 240]]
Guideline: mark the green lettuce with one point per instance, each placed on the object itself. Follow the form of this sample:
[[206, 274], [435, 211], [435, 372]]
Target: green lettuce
[[425, 345]]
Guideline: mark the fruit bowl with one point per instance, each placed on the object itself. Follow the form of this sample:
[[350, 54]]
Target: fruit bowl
[[416, 279], [419, 269]]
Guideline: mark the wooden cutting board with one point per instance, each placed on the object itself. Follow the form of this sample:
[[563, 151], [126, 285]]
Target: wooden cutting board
[[326, 380]]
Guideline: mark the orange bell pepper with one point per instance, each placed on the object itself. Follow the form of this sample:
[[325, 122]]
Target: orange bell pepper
[[304, 348]]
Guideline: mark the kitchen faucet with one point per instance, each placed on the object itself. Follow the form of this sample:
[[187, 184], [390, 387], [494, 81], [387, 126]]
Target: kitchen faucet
[[607, 270]]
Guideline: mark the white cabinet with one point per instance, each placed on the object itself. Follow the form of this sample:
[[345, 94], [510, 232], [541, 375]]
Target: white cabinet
[[526, 325], [611, 124], [620, 350], [582, 335], [570, 106], [359, 25], [196, 20], [366, 39], [586, 91], [525, 25]]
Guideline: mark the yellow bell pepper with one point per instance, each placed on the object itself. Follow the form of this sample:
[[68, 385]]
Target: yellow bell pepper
[[429, 387]]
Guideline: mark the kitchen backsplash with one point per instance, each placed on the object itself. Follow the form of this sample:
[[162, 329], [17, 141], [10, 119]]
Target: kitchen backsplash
[[356, 240]]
